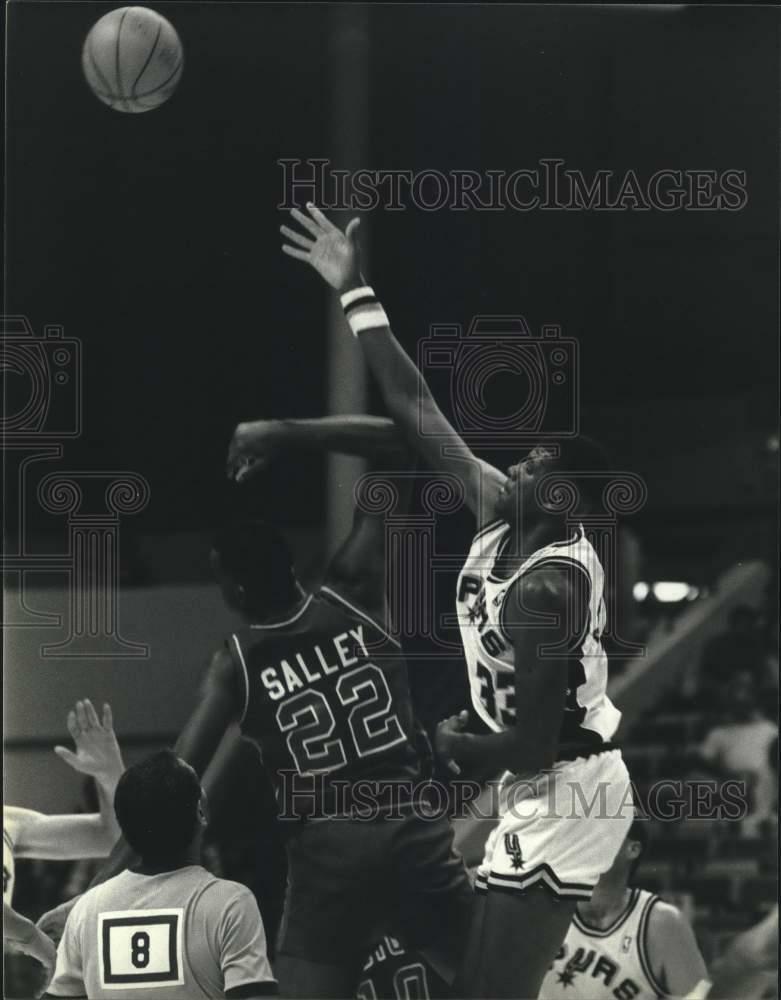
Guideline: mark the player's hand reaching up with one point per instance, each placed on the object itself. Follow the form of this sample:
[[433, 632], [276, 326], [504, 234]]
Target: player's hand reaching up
[[97, 751], [331, 252]]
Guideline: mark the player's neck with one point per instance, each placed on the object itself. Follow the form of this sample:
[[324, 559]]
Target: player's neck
[[607, 902], [290, 610]]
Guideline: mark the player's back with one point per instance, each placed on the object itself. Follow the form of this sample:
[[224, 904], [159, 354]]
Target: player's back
[[610, 963], [326, 694], [179, 935]]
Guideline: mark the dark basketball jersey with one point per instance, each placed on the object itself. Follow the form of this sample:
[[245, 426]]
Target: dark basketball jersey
[[393, 973], [326, 695]]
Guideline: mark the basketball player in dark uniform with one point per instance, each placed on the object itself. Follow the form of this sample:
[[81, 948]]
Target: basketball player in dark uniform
[[319, 684]]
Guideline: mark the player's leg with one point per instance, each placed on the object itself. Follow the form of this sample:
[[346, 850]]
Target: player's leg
[[514, 940], [329, 918], [303, 978], [433, 896]]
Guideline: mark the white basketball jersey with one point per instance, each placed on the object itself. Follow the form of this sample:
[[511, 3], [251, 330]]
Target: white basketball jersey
[[9, 867], [610, 964], [590, 716]]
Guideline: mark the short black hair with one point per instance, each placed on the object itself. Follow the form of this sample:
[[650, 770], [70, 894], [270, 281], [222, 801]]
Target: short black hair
[[256, 556], [579, 456], [156, 803], [639, 832], [742, 613]]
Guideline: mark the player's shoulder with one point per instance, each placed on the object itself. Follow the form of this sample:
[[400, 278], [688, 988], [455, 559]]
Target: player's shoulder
[[545, 587], [352, 609], [665, 920], [221, 893]]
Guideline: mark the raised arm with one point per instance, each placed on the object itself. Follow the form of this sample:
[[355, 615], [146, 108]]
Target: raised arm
[[73, 836], [334, 255], [255, 443]]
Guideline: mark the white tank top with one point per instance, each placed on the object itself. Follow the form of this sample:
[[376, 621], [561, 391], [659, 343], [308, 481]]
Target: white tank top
[[610, 964], [590, 717]]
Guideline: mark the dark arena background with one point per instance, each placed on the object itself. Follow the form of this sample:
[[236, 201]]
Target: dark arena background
[[148, 310]]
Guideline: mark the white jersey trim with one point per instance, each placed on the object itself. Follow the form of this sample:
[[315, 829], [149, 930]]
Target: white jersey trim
[[362, 614], [245, 674]]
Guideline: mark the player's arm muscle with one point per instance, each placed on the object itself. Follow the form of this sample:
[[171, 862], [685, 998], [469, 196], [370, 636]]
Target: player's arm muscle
[[536, 618], [217, 707], [67, 837], [410, 402], [673, 951], [359, 568]]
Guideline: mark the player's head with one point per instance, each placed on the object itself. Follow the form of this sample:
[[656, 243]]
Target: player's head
[[743, 618], [742, 695], [630, 853], [254, 566], [529, 493], [161, 808]]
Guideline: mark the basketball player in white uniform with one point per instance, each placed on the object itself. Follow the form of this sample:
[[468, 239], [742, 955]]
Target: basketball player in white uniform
[[625, 943], [31, 834], [167, 927], [531, 611]]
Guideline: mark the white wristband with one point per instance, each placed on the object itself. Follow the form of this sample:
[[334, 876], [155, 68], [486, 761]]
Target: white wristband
[[362, 310]]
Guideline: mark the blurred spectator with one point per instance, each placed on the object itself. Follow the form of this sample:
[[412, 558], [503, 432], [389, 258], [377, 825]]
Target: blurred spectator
[[741, 647], [740, 748]]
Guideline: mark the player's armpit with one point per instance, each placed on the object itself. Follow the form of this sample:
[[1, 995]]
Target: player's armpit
[[673, 952]]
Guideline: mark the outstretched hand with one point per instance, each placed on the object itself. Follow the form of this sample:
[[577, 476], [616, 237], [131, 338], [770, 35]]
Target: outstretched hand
[[331, 252], [97, 751]]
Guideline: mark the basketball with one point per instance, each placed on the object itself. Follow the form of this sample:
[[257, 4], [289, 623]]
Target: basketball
[[132, 59]]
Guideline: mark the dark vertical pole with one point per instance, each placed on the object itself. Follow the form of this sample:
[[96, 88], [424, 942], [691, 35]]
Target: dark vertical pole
[[348, 140]]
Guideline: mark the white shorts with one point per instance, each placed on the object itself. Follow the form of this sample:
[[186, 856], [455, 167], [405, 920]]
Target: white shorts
[[561, 829]]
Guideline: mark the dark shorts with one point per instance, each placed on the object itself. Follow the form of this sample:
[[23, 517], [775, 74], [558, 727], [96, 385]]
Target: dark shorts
[[349, 881]]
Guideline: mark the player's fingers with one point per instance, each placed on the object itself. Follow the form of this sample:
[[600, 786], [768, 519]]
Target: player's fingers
[[306, 222], [291, 234], [463, 717], [453, 767], [318, 216], [292, 252], [81, 715], [92, 715], [65, 754], [352, 225], [108, 717], [73, 725]]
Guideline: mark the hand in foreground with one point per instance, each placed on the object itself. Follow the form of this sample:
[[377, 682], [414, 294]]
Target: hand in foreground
[[97, 750], [446, 739], [331, 252], [52, 923], [40, 947], [253, 446]]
